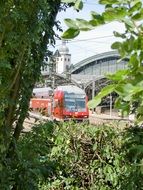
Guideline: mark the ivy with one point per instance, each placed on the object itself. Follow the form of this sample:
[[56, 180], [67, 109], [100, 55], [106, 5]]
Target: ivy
[[26, 27]]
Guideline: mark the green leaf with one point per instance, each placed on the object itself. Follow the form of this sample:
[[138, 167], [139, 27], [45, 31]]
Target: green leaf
[[140, 110], [118, 76], [128, 22], [106, 2], [5, 65], [134, 62], [122, 105], [122, 51], [128, 87], [93, 103], [114, 14], [137, 148], [104, 92], [70, 33], [117, 34], [78, 5], [94, 14], [127, 91], [84, 25], [96, 22], [70, 23], [96, 18], [137, 16], [116, 45], [128, 44], [135, 7]]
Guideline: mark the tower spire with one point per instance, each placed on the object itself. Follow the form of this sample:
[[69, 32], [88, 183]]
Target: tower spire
[[64, 61]]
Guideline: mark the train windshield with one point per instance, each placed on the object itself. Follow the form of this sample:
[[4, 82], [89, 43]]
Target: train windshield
[[74, 104]]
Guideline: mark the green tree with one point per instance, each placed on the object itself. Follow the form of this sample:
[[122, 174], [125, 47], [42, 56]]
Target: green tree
[[126, 83], [26, 28]]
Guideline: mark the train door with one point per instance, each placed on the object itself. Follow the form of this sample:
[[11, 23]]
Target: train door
[[58, 110], [58, 105], [61, 107]]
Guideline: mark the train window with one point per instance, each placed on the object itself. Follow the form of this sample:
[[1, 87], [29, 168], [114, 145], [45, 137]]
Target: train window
[[75, 104], [80, 103]]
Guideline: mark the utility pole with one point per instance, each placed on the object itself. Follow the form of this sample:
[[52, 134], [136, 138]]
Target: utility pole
[[110, 105], [52, 78], [68, 74], [93, 90]]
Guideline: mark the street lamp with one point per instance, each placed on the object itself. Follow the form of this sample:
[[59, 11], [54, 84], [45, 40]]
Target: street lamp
[[110, 105]]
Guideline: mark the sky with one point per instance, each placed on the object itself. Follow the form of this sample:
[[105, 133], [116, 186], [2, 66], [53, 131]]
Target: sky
[[92, 42]]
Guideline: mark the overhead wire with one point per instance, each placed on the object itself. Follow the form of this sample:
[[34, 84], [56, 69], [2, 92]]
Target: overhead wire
[[88, 39], [87, 49], [100, 37]]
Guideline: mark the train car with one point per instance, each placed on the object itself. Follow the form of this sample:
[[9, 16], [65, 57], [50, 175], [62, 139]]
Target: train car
[[70, 102], [67, 102], [38, 104], [44, 92], [41, 100]]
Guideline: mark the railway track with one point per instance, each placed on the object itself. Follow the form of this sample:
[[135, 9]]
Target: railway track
[[94, 119]]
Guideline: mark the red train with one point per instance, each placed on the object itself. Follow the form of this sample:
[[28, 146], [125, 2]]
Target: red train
[[65, 103]]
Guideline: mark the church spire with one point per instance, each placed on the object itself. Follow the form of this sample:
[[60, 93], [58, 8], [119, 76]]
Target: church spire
[[64, 61], [64, 49]]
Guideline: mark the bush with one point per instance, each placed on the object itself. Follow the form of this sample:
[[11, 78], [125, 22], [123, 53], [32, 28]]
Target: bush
[[78, 157], [75, 156], [89, 157]]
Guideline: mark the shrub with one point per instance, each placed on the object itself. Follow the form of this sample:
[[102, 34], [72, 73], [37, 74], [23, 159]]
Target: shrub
[[78, 157]]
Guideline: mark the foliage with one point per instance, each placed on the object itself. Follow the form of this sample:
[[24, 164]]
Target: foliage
[[127, 83], [134, 158], [77, 4], [26, 29], [78, 156], [24, 171], [87, 156]]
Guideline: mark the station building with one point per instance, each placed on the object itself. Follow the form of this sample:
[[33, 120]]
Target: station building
[[89, 74]]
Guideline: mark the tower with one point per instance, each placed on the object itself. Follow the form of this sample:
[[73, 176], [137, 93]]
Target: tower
[[63, 61]]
